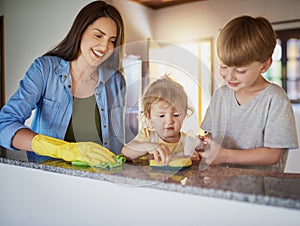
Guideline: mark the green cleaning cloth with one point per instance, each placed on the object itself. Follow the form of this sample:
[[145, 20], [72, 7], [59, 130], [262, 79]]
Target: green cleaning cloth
[[120, 159]]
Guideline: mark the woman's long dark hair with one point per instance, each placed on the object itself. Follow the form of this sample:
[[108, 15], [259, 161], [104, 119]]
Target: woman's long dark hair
[[69, 47]]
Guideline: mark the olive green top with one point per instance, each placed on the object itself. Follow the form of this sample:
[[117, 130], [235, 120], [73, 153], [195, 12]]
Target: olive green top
[[85, 122]]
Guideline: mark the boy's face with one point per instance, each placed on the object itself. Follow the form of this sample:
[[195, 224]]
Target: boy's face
[[166, 121], [238, 78]]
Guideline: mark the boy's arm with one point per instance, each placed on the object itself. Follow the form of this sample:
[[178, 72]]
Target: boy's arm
[[255, 156], [215, 154]]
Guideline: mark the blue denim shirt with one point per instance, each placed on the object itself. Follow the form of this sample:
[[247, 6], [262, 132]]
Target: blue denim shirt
[[47, 89]]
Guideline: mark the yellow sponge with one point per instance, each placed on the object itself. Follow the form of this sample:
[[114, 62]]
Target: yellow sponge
[[174, 164]]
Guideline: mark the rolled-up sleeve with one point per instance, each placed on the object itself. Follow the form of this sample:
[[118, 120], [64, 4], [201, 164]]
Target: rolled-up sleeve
[[19, 107]]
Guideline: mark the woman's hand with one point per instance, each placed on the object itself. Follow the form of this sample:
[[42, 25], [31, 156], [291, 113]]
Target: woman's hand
[[161, 153]]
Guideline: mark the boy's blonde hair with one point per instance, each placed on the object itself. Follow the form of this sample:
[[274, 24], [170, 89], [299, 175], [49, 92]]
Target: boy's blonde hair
[[167, 90], [244, 40]]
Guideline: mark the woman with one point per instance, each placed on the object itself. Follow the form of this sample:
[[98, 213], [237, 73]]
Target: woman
[[76, 90]]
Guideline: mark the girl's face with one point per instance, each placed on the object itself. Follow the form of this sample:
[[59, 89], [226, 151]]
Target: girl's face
[[166, 121], [238, 78], [98, 41]]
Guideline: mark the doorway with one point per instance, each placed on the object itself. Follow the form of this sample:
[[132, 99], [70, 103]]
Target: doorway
[[2, 151], [2, 99]]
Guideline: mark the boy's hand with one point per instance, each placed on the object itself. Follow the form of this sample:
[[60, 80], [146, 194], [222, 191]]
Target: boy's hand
[[203, 143], [200, 149], [211, 155], [195, 156]]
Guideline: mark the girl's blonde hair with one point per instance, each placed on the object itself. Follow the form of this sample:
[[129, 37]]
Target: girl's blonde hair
[[165, 89], [244, 40]]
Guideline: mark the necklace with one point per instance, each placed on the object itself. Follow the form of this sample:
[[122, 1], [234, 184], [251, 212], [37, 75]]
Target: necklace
[[92, 77]]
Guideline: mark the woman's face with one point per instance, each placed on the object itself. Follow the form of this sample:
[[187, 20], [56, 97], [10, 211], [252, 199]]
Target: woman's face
[[98, 41]]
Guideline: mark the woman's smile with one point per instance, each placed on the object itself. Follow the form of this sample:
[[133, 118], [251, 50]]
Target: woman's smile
[[98, 53]]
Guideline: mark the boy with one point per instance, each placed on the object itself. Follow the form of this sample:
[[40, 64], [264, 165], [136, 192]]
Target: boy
[[250, 120]]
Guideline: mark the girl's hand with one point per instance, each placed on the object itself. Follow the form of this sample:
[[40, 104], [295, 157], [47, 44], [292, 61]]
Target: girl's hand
[[161, 153]]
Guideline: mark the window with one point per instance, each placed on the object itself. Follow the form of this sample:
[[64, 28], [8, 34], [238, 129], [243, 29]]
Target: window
[[285, 70], [190, 64]]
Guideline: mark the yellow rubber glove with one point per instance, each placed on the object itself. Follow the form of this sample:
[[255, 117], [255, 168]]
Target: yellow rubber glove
[[90, 152]]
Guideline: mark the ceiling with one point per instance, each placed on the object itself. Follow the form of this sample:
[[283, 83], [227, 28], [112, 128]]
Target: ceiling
[[158, 4]]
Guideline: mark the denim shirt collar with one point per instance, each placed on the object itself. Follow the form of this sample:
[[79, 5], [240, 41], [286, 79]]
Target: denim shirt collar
[[105, 74], [63, 69]]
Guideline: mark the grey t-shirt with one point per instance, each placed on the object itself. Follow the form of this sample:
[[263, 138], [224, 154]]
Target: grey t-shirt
[[265, 121]]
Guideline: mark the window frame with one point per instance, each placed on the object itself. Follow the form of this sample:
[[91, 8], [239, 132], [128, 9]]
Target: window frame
[[284, 35]]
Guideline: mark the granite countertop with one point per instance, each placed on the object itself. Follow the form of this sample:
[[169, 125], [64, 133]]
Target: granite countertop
[[239, 184]]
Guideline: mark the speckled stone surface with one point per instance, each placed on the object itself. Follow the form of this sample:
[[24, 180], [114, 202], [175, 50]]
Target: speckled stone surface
[[253, 186]]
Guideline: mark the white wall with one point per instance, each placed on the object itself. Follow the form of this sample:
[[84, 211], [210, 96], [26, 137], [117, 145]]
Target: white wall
[[203, 19], [137, 19]]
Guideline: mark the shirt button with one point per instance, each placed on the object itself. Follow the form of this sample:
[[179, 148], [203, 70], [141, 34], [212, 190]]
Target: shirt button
[[105, 143], [104, 126], [102, 109], [65, 76], [69, 86]]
